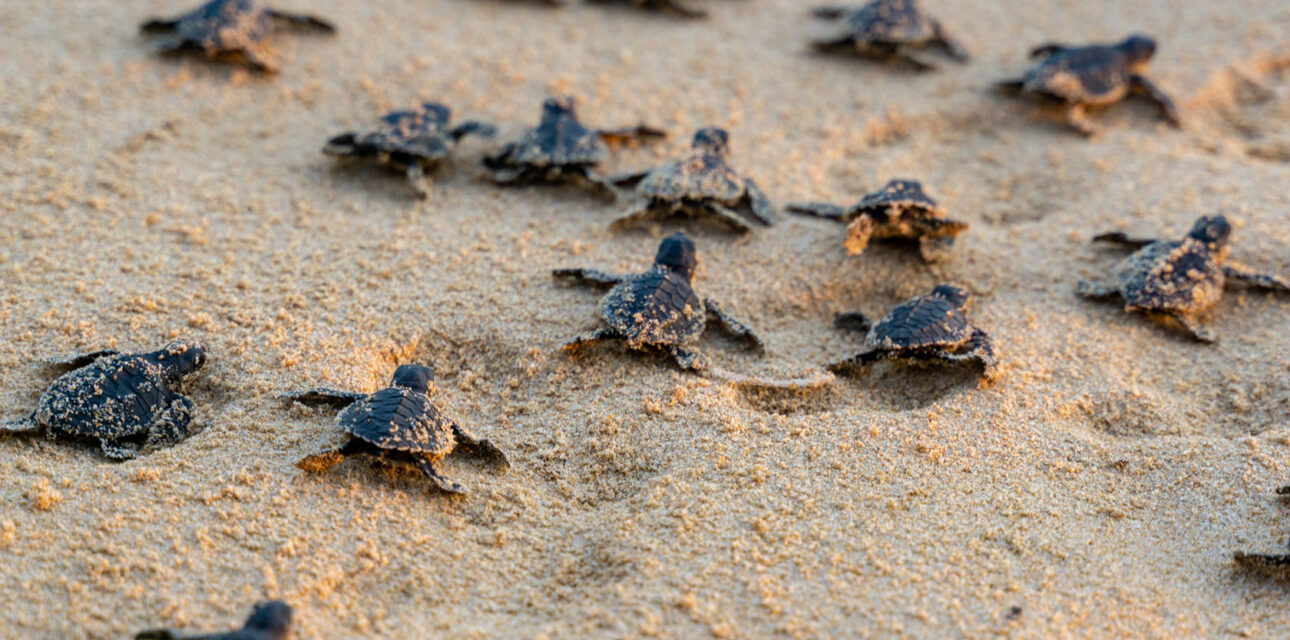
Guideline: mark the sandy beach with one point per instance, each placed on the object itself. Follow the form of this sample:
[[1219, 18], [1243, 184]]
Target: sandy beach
[[1097, 489]]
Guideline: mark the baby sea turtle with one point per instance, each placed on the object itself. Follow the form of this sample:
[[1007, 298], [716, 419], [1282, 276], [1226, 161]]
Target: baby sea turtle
[[410, 141], [899, 210], [1168, 279], [400, 423], [662, 6], [887, 29], [230, 30], [560, 148], [658, 308], [700, 183], [1271, 565], [930, 327], [119, 399], [1094, 76], [269, 620]]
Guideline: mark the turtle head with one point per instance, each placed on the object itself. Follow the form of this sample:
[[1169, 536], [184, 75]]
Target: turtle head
[[956, 296], [1212, 230], [414, 376], [436, 112], [272, 616], [181, 357], [558, 107], [1137, 48], [677, 253], [711, 140]]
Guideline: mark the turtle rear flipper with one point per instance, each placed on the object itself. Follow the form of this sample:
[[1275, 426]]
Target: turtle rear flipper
[[829, 12], [1198, 331], [324, 397], [1010, 86], [761, 206], [979, 347], [445, 485], [301, 21], [80, 359], [159, 634], [1047, 50], [953, 48], [863, 359], [627, 179], [118, 449], [159, 26], [852, 321], [344, 144]]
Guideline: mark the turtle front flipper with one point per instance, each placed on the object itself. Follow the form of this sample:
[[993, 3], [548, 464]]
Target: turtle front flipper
[[78, 360], [159, 26], [1047, 50], [473, 127], [627, 180], [417, 178], [1123, 239], [907, 56], [259, 59], [852, 321], [762, 208], [345, 144], [173, 425], [1010, 86], [159, 634], [826, 210], [858, 234], [731, 325], [637, 212], [480, 447], [118, 449], [324, 397], [21, 425], [604, 333], [1168, 109], [676, 8], [1244, 274], [444, 484], [1077, 117], [830, 12], [301, 20], [589, 276]]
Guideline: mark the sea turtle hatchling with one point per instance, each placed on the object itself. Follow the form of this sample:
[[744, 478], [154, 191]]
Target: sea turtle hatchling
[[899, 210], [269, 620], [887, 29], [658, 308], [931, 327], [399, 423], [700, 183], [124, 401], [1093, 76], [1177, 279], [410, 141], [560, 148], [1271, 565], [230, 30]]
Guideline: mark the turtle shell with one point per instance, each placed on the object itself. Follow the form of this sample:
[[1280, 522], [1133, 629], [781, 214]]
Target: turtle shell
[[422, 133], [1178, 277], [559, 141], [926, 321], [113, 397], [699, 176], [399, 419], [898, 197], [1090, 75], [657, 307], [225, 25], [889, 22]]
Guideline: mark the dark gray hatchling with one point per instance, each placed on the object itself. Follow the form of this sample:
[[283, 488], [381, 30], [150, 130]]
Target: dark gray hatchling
[[1269, 565], [932, 327], [1177, 279], [399, 423], [885, 30], [269, 620], [230, 30], [124, 401], [658, 308], [413, 142], [1077, 78], [663, 6], [701, 183], [560, 149], [899, 210]]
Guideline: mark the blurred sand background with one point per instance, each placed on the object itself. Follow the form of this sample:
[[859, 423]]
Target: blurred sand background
[[1100, 487]]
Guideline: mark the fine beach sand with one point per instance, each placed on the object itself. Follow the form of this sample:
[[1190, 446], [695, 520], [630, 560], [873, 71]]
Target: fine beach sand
[[1098, 488]]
